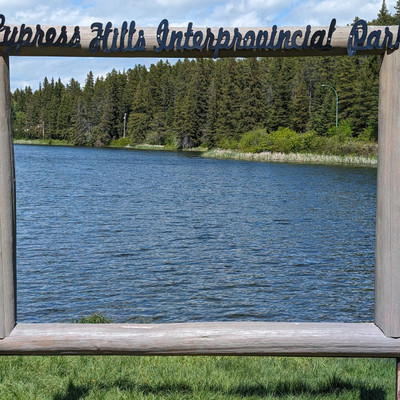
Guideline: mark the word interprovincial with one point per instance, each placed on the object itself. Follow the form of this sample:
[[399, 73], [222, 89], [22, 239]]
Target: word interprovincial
[[262, 40], [210, 42]]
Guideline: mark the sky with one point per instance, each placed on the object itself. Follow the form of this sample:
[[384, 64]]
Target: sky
[[29, 71]]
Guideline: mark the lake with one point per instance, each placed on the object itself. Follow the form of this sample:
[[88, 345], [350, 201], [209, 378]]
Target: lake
[[170, 236]]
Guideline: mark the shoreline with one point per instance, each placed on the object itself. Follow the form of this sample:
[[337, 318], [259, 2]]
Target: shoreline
[[297, 158], [220, 154]]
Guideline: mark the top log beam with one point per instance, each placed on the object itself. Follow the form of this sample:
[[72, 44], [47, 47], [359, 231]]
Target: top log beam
[[131, 41]]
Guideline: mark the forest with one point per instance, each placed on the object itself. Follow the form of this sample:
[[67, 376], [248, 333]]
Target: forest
[[225, 103]]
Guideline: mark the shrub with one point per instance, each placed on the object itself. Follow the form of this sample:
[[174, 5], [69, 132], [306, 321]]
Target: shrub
[[228, 143], [94, 319], [368, 134], [253, 141], [121, 142], [343, 132], [284, 140], [308, 142]]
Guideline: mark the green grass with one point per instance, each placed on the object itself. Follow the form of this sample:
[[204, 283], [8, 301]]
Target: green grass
[[300, 158], [209, 378], [43, 142]]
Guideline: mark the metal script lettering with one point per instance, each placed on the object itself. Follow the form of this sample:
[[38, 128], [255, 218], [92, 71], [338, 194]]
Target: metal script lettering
[[24, 36], [359, 39], [283, 40]]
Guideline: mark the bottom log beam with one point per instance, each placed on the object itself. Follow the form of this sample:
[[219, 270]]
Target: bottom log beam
[[213, 338]]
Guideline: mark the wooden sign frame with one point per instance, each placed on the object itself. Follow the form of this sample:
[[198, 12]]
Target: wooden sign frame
[[378, 339]]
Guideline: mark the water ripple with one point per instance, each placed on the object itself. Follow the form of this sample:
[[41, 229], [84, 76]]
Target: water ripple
[[160, 237]]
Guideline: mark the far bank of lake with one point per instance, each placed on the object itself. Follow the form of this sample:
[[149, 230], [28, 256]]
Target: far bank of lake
[[224, 154]]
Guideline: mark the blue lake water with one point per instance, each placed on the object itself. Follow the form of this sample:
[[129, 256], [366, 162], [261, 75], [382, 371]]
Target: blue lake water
[[169, 236]]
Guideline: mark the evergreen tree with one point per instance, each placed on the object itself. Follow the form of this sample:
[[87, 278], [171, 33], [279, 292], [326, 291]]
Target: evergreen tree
[[227, 92], [209, 139], [384, 17], [250, 107], [348, 89], [300, 107], [279, 77], [397, 11], [139, 122]]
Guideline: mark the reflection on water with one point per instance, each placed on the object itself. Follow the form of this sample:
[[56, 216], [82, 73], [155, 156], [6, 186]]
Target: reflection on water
[[162, 236]]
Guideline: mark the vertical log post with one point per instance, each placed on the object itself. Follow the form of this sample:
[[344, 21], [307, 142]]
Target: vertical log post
[[387, 265], [7, 207]]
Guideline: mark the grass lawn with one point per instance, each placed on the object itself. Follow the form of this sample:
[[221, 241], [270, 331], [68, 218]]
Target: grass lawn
[[209, 378]]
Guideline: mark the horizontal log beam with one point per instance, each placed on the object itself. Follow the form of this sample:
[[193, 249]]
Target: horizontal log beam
[[214, 338], [122, 41]]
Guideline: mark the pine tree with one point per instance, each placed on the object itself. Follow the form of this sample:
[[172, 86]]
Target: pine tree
[[250, 108], [208, 138], [139, 120], [300, 112], [227, 106], [348, 89], [280, 82], [384, 17], [397, 13]]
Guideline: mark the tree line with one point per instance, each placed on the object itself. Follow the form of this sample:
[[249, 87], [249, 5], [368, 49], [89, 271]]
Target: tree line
[[204, 102]]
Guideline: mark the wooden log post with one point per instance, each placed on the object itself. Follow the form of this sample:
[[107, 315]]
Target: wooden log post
[[7, 207], [387, 266]]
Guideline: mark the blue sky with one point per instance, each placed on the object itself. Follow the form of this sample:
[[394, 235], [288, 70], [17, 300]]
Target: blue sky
[[251, 13]]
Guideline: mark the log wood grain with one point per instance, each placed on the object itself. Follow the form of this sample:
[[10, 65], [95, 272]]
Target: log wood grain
[[7, 208], [213, 338], [339, 43], [387, 265]]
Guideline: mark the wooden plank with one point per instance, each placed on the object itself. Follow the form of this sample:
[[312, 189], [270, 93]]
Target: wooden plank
[[339, 42], [387, 266], [7, 208], [214, 338]]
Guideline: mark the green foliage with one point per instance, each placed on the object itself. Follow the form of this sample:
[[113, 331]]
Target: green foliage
[[94, 319], [367, 135], [283, 140], [203, 103], [384, 16], [253, 141], [343, 132], [121, 142], [228, 143]]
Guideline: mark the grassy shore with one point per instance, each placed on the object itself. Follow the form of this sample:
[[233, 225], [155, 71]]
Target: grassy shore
[[43, 142], [292, 158], [205, 378]]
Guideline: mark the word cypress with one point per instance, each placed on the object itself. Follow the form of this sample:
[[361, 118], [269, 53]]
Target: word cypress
[[25, 36]]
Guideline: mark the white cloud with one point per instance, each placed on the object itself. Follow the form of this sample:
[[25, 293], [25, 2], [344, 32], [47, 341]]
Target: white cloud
[[316, 12]]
